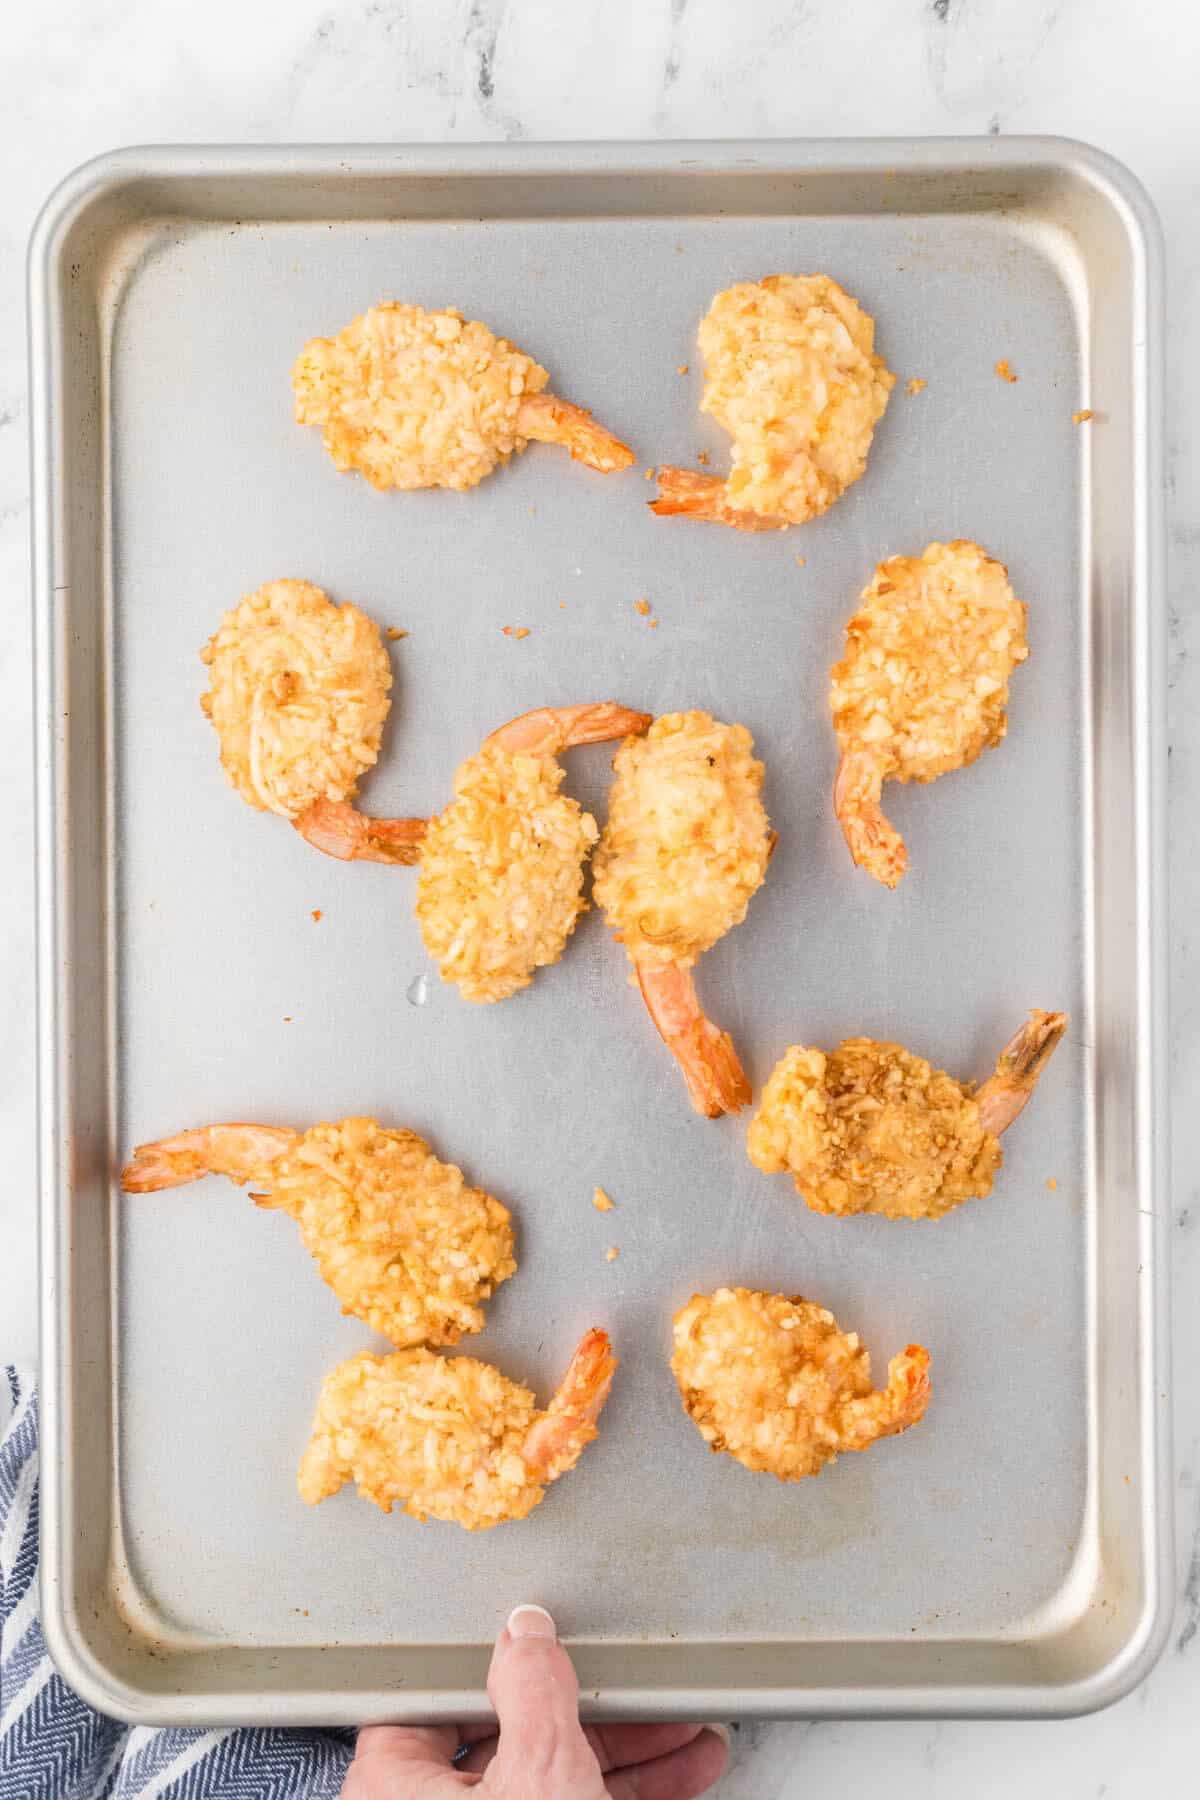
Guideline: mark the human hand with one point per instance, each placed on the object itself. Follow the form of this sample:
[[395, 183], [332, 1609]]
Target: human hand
[[542, 1752]]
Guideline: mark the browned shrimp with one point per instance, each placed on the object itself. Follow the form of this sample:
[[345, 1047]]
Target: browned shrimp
[[500, 888], [416, 399], [923, 688], [401, 1239], [685, 849], [872, 1128], [791, 373], [775, 1384], [300, 690], [449, 1437]]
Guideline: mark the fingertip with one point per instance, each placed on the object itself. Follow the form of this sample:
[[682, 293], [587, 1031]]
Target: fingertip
[[530, 1621]]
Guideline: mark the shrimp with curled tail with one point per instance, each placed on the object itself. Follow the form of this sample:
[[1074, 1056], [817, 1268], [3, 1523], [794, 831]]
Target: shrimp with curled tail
[[417, 399], [401, 1239], [923, 687], [871, 1128], [791, 373], [450, 1437], [501, 868], [300, 690], [773, 1383], [685, 849]]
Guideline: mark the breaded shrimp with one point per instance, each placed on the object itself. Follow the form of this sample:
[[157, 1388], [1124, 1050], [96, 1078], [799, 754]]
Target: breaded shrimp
[[924, 685], [791, 373], [416, 399], [871, 1128], [449, 1437], [401, 1239], [686, 846], [777, 1386], [501, 879], [298, 697]]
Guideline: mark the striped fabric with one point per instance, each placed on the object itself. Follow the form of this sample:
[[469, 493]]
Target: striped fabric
[[53, 1747]]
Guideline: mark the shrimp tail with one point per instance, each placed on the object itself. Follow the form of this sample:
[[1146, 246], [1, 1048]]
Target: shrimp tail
[[1018, 1069], [546, 419], [716, 1081], [695, 496], [241, 1152], [338, 829], [549, 730], [558, 1436], [901, 1404], [872, 841]]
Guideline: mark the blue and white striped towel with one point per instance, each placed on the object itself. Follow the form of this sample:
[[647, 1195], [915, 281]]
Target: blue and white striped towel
[[53, 1747]]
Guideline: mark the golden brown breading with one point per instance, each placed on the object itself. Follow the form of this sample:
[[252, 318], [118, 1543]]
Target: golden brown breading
[[298, 697], [872, 1128], [501, 881], [450, 1438], [777, 1386], [401, 1239], [923, 687], [687, 841], [416, 399], [791, 373]]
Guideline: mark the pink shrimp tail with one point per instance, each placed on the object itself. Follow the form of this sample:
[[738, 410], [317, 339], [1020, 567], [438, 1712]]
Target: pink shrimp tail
[[548, 420], [1019, 1068], [872, 841], [337, 829], [549, 730], [691, 495], [716, 1081]]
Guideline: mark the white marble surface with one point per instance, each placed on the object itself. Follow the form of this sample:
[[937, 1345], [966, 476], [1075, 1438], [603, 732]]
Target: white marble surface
[[79, 76]]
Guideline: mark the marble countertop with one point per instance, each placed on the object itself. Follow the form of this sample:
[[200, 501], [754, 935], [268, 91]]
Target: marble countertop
[[81, 76]]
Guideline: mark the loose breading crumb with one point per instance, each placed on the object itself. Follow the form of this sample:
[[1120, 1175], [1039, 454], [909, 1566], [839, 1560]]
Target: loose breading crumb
[[317, 914], [915, 384], [522, 631], [612, 1253], [800, 561], [1081, 418], [394, 633], [702, 458], [287, 1018], [1051, 1183], [642, 606], [1004, 371], [682, 369], [654, 624], [649, 476], [601, 1201]]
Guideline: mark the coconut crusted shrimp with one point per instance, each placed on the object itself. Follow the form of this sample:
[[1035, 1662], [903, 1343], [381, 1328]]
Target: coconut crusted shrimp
[[298, 697], [923, 688], [401, 1239], [871, 1128], [777, 1386], [416, 399], [450, 1437], [791, 373], [685, 848], [501, 876]]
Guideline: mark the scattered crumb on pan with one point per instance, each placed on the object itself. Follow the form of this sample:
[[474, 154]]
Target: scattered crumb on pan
[[1004, 370], [1082, 417], [642, 606], [602, 1201], [682, 369], [317, 914], [702, 457], [515, 631], [612, 1253], [394, 634], [1051, 1183], [916, 383], [649, 474], [800, 561]]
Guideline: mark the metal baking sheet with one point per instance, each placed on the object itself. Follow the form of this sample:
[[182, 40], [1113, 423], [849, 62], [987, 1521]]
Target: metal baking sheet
[[1007, 1557]]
